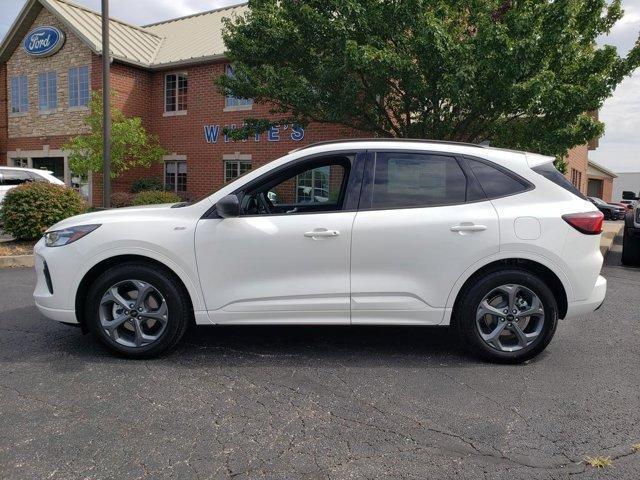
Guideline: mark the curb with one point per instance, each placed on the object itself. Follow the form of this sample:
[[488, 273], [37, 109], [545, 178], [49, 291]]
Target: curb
[[17, 261], [606, 241]]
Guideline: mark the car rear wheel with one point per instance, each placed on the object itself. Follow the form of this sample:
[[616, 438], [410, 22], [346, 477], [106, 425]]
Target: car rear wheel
[[507, 316], [137, 310], [630, 245]]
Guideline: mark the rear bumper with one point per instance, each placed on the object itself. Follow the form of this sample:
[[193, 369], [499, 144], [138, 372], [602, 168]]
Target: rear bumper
[[593, 302]]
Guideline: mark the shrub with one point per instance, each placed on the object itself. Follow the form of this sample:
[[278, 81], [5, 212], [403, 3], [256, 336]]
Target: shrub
[[121, 199], [150, 197], [147, 183], [29, 209]]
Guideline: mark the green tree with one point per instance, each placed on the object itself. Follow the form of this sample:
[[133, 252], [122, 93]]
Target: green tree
[[131, 145], [518, 73]]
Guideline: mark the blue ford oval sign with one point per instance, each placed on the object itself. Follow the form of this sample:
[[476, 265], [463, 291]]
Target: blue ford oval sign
[[43, 41]]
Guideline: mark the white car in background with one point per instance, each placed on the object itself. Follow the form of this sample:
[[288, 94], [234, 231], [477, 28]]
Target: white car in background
[[11, 177], [495, 243]]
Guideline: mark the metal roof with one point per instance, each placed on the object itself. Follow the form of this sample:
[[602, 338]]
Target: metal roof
[[195, 37], [190, 39], [127, 42]]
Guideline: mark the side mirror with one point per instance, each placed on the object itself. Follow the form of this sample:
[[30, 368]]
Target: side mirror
[[228, 206]]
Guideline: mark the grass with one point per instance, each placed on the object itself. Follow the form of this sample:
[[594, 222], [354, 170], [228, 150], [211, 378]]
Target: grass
[[598, 462], [16, 247]]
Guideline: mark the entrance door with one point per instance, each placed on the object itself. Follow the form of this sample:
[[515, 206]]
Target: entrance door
[[286, 258], [54, 164]]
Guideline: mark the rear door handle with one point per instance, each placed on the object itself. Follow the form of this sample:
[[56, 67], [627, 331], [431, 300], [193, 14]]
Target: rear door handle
[[468, 227], [321, 233]]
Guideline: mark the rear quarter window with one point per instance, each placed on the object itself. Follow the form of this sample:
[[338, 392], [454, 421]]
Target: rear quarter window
[[496, 182], [550, 172]]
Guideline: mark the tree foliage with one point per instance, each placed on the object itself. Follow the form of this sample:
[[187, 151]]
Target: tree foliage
[[518, 73], [131, 145]]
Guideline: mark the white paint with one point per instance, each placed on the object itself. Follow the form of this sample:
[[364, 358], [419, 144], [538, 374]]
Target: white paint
[[397, 266]]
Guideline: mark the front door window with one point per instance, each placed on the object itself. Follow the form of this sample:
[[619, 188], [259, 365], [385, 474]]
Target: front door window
[[318, 186]]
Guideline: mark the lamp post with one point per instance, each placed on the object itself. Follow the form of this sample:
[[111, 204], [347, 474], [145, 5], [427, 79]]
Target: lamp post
[[106, 118]]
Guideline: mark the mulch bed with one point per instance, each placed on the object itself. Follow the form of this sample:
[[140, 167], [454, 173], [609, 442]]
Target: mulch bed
[[16, 247]]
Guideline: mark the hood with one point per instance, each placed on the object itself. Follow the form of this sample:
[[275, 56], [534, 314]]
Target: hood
[[104, 216]]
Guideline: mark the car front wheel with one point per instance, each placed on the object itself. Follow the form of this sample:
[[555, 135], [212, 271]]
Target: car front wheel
[[137, 310], [507, 316]]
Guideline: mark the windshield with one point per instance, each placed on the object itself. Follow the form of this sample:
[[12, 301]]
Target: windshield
[[598, 201]]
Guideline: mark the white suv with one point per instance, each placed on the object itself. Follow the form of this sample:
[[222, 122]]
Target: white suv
[[11, 177], [495, 243]]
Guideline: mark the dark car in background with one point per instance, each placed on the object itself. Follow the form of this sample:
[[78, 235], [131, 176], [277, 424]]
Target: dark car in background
[[610, 211]]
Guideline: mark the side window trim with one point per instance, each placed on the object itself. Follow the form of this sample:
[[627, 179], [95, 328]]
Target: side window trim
[[526, 183], [353, 187], [366, 198]]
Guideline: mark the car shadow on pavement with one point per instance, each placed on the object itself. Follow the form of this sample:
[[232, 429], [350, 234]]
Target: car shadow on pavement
[[25, 334]]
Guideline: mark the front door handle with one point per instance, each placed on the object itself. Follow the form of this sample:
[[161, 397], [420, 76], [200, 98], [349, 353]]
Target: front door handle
[[321, 232], [468, 227]]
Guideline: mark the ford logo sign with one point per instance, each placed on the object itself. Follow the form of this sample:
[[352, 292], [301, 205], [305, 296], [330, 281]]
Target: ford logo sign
[[43, 41]]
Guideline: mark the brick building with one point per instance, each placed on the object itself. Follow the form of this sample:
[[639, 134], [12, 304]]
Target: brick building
[[600, 182], [50, 62]]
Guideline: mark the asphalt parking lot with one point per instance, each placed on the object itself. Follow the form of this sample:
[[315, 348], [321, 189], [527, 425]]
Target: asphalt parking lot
[[314, 403]]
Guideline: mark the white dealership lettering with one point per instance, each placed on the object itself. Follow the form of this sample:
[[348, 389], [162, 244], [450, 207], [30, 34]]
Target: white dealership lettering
[[274, 134]]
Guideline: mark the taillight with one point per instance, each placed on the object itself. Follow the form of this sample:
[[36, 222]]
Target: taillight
[[589, 223]]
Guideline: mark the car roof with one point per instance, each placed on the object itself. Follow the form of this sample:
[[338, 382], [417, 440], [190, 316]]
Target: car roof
[[21, 169], [499, 155]]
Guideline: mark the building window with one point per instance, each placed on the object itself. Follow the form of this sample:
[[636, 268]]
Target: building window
[[175, 92], [313, 185], [235, 102], [19, 94], [576, 178], [175, 176], [47, 91], [79, 86], [20, 162], [235, 168]]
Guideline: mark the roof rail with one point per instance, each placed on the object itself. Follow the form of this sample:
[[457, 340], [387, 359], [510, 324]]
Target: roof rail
[[407, 140]]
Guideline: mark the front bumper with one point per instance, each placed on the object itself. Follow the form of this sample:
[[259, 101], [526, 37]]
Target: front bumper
[[52, 291], [583, 307]]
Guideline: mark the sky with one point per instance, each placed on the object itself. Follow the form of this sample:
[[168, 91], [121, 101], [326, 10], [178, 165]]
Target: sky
[[619, 148]]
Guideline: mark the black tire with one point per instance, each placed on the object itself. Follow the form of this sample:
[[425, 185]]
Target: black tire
[[178, 306], [465, 315], [630, 245], [607, 215]]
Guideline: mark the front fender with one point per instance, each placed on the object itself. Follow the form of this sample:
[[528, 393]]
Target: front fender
[[188, 275]]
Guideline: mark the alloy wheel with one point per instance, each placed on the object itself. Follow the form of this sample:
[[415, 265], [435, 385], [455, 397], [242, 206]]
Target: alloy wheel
[[133, 313], [510, 317]]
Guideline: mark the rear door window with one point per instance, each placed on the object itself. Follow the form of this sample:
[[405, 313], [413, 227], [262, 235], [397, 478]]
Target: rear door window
[[404, 180]]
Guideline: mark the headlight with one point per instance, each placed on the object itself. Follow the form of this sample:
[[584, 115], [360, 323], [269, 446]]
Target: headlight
[[58, 238]]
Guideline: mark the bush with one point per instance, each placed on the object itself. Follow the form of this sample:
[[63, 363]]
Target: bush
[[150, 197], [29, 209], [145, 184], [121, 199]]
